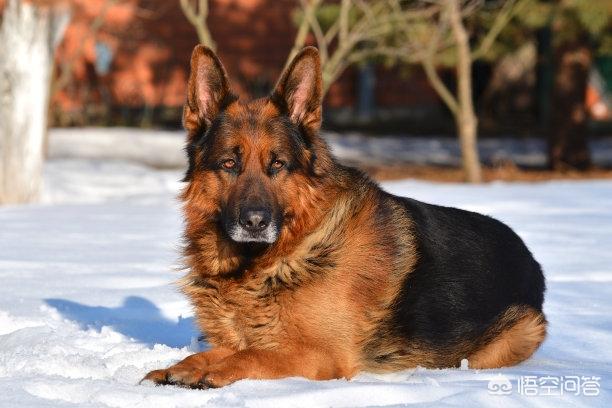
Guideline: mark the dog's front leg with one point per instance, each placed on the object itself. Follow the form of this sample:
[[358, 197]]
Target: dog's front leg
[[271, 364], [190, 371]]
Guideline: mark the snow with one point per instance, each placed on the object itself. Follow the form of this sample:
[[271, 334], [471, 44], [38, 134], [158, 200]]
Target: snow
[[88, 302], [163, 148]]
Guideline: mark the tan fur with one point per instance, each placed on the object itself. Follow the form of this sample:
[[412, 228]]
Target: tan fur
[[317, 325], [521, 330], [285, 304]]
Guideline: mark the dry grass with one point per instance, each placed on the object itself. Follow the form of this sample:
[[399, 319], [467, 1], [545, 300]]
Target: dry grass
[[507, 172]]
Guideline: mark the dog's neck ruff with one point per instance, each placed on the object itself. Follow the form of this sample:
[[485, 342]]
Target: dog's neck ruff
[[315, 254]]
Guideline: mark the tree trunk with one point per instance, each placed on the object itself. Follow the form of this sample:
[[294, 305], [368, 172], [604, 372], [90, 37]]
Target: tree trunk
[[467, 129], [567, 135], [29, 33], [465, 118]]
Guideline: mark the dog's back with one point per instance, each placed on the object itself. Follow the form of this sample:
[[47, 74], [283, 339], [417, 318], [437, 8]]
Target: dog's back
[[473, 282]]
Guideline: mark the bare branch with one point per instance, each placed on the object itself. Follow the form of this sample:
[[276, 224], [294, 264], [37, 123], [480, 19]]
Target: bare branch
[[438, 85], [309, 8], [343, 19], [316, 30], [503, 17], [332, 31], [197, 14], [429, 66], [469, 7], [406, 54], [464, 59]]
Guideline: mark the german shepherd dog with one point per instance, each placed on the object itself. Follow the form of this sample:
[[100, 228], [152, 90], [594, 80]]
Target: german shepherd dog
[[300, 266]]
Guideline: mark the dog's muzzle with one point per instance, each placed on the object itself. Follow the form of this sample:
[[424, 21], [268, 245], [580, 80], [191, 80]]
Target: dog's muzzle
[[254, 225]]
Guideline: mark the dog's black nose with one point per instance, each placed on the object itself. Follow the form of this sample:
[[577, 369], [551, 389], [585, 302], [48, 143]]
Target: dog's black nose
[[255, 219]]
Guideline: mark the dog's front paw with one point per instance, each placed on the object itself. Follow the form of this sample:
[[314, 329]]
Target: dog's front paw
[[159, 377], [189, 377], [220, 377]]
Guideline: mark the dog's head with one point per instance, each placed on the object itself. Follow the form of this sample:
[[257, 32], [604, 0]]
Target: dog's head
[[251, 164]]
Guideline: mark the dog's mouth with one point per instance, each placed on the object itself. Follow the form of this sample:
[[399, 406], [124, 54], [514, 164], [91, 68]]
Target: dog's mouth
[[238, 233]]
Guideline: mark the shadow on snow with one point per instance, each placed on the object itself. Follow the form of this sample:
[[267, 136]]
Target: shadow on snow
[[137, 318]]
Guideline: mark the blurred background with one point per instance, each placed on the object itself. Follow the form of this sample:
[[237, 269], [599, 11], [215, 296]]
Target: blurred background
[[445, 90]]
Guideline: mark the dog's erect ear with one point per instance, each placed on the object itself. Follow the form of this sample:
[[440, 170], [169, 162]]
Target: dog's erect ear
[[208, 90], [299, 91]]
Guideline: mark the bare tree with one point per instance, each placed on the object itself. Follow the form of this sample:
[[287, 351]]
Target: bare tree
[[461, 105], [29, 34], [446, 37], [347, 40], [422, 33], [416, 32]]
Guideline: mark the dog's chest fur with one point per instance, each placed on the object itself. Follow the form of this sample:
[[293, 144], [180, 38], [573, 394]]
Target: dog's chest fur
[[256, 309], [237, 314], [333, 289]]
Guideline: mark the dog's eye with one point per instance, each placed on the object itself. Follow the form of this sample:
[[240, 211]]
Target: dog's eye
[[229, 164], [277, 164]]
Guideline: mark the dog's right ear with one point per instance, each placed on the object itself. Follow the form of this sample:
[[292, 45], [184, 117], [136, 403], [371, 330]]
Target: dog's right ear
[[208, 91], [298, 92]]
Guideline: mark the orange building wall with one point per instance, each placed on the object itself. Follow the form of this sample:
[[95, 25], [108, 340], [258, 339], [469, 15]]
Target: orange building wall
[[151, 42]]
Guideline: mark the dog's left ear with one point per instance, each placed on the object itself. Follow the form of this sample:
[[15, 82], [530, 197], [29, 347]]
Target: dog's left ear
[[208, 91], [298, 92]]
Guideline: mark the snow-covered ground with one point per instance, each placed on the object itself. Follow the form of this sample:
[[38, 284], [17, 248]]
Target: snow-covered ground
[[163, 148], [88, 303]]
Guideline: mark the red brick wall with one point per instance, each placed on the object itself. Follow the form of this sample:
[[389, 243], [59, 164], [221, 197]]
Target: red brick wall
[[399, 87], [151, 41]]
